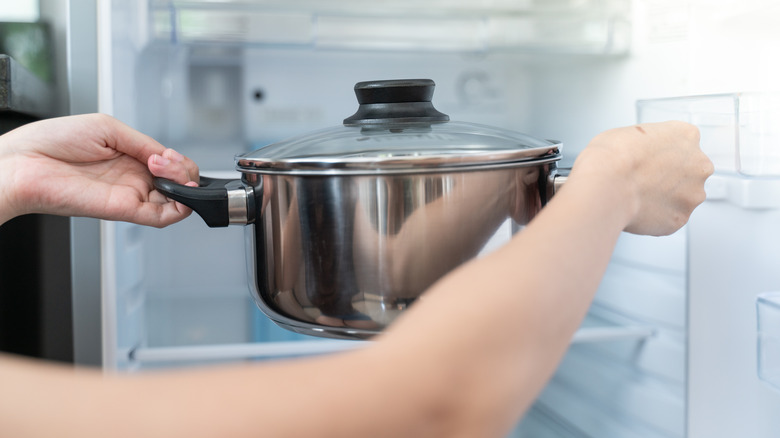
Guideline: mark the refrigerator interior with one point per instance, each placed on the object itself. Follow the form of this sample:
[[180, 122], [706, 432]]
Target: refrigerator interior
[[217, 79]]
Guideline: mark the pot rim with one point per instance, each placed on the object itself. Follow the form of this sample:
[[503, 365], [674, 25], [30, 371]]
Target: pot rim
[[399, 165]]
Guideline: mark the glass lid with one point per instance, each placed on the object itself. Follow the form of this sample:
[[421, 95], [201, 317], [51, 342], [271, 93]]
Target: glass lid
[[397, 129]]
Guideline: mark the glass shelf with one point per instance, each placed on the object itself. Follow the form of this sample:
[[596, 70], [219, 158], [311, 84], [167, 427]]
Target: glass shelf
[[266, 350], [558, 26]]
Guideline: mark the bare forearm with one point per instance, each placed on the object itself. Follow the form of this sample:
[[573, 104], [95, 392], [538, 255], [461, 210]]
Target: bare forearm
[[516, 310], [40, 400]]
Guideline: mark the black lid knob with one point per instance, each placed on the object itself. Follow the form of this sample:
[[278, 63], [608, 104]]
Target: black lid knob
[[395, 101]]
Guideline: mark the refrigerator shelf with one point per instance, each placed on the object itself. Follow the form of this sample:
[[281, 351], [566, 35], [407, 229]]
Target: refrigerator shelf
[[266, 350], [226, 352], [568, 26], [607, 334]]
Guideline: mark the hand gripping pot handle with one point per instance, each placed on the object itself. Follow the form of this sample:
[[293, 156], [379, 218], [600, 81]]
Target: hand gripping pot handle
[[220, 202]]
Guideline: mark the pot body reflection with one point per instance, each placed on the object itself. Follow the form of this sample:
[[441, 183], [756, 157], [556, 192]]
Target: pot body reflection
[[343, 255]]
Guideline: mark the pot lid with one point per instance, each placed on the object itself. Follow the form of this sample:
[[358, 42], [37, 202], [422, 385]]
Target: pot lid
[[397, 130]]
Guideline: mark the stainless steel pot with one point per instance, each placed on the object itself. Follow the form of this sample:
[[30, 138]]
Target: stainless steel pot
[[351, 224]]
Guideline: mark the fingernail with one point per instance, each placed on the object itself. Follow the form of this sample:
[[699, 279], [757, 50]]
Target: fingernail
[[161, 161], [175, 156]]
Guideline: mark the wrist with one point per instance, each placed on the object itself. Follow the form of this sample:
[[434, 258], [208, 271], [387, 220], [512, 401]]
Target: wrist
[[610, 177], [7, 186]]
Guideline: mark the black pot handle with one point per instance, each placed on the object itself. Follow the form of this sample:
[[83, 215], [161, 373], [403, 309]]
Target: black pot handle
[[220, 202]]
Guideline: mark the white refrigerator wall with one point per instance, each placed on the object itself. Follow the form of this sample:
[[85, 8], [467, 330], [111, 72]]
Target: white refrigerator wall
[[699, 287]]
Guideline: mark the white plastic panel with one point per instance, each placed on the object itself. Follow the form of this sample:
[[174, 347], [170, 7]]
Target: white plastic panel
[[571, 26], [124, 296], [734, 256]]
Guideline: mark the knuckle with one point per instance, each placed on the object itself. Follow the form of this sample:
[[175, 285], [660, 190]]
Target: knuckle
[[103, 118], [709, 167], [699, 198], [690, 132], [693, 132]]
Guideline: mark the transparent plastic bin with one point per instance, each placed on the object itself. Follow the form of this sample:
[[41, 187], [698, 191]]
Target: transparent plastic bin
[[768, 307], [740, 132], [571, 26]]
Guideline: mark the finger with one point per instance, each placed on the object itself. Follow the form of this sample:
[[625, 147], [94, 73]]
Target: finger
[[158, 198], [189, 165], [127, 140], [140, 146], [159, 211], [155, 209], [161, 214], [170, 165], [164, 167]]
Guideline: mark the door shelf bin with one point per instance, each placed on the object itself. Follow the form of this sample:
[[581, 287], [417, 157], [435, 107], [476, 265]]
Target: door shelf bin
[[740, 132], [768, 307]]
